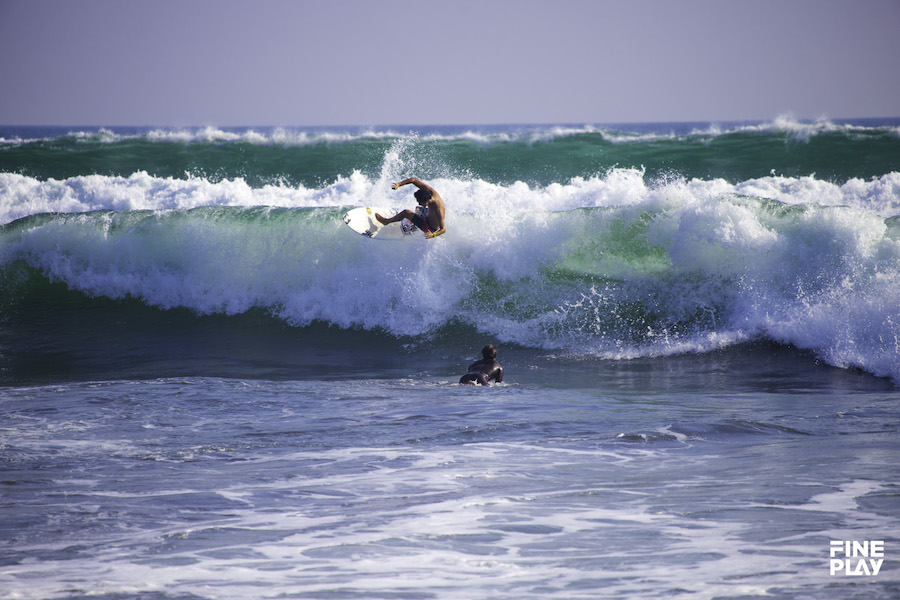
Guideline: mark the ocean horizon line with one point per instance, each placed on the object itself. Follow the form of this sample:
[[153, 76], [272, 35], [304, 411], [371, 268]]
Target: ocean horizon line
[[777, 118]]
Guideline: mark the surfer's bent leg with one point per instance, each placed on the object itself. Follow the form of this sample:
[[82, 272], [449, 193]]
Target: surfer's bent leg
[[404, 214]]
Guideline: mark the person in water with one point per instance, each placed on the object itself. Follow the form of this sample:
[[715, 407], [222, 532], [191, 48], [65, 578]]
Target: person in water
[[481, 372], [429, 215]]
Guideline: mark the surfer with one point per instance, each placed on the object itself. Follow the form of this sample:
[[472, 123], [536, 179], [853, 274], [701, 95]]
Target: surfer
[[481, 372], [429, 215]]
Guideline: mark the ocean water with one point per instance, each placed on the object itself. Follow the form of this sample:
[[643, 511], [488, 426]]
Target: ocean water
[[211, 388]]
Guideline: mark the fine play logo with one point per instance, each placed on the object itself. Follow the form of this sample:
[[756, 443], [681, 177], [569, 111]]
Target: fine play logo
[[856, 558]]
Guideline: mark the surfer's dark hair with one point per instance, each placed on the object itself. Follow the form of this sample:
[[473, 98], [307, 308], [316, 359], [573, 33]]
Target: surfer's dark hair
[[489, 352], [423, 195]]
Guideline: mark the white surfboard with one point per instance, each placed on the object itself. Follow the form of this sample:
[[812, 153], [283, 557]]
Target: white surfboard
[[362, 220]]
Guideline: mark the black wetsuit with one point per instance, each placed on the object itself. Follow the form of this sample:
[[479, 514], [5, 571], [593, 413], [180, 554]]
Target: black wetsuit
[[481, 372]]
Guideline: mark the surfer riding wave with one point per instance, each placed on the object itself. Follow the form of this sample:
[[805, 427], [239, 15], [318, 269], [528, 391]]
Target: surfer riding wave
[[429, 215]]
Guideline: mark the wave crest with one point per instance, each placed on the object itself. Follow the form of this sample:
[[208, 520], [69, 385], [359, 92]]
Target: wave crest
[[608, 266]]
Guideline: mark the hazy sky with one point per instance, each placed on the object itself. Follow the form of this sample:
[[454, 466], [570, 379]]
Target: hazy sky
[[379, 62]]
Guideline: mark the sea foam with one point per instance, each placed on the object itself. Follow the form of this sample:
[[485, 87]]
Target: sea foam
[[21, 195], [787, 125], [614, 266]]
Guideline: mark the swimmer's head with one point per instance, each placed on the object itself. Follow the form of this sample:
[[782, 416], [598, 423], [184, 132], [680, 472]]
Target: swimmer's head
[[489, 352]]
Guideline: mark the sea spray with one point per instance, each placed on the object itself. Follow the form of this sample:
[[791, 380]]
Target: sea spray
[[597, 241], [675, 270], [210, 386]]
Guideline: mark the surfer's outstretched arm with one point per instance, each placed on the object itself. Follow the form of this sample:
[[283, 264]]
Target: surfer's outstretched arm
[[407, 181], [416, 182]]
